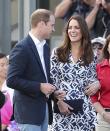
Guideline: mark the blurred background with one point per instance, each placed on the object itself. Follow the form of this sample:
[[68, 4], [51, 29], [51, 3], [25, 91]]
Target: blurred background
[[14, 21]]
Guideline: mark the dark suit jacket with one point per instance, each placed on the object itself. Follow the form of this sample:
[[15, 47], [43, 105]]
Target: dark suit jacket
[[25, 75]]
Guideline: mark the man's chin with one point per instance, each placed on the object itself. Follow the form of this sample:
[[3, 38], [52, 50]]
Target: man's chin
[[48, 37]]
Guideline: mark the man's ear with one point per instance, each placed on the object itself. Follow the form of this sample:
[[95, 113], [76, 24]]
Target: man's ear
[[42, 23]]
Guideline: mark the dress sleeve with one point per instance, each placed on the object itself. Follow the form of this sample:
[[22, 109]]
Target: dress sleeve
[[92, 74], [95, 97]]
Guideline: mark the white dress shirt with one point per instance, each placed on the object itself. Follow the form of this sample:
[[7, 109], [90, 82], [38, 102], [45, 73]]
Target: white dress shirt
[[39, 45]]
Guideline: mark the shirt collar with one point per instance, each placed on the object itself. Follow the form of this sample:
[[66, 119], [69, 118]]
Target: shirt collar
[[105, 63], [36, 41]]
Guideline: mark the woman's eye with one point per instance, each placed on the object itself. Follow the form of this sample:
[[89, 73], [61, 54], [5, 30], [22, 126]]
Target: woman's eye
[[76, 27]]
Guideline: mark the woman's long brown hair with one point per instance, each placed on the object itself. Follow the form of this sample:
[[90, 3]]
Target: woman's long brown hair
[[105, 50], [86, 48]]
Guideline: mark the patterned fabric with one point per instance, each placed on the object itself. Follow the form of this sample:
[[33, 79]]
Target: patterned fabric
[[73, 78]]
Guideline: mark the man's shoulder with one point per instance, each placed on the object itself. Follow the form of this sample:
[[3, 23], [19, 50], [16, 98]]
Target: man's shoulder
[[24, 42], [22, 47]]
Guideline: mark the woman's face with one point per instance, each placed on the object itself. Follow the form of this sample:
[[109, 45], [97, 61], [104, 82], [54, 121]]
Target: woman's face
[[109, 48], [3, 67], [74, 31]]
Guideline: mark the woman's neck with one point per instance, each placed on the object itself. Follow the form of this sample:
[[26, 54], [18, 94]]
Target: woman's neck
[[76, 52], [75, 47]]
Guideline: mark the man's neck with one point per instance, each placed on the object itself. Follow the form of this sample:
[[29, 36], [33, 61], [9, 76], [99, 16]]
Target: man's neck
[[36, 34]]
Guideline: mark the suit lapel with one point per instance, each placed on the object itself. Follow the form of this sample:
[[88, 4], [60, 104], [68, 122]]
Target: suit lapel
[[34, 50]]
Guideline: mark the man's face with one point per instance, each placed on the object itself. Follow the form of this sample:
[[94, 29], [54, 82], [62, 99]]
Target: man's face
[[97, 48], [49, 27]]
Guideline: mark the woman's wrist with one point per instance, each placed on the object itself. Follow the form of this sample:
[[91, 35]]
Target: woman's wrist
[[59, 101]]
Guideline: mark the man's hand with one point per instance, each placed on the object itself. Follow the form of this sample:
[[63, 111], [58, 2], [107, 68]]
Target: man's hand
[[47, 88]]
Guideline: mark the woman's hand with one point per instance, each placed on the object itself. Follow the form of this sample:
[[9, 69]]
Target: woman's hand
[[59, 94], [64, 107], [92, 88]]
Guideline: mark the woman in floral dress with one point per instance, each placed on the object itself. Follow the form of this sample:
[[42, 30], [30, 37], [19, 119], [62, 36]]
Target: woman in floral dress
[[73, 68]]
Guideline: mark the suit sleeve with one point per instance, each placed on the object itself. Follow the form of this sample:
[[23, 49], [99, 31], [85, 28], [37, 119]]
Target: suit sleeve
[[17, 65]]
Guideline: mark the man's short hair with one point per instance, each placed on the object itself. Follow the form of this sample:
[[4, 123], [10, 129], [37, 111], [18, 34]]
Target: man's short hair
[[40, 15]]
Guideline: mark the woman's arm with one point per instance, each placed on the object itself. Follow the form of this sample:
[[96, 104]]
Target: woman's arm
[[62, 8]]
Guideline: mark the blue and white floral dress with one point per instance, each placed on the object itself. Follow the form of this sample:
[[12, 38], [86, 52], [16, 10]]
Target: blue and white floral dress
[[73, 78]]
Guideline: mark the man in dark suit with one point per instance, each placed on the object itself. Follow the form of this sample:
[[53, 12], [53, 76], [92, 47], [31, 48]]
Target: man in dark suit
[[28, 74]]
